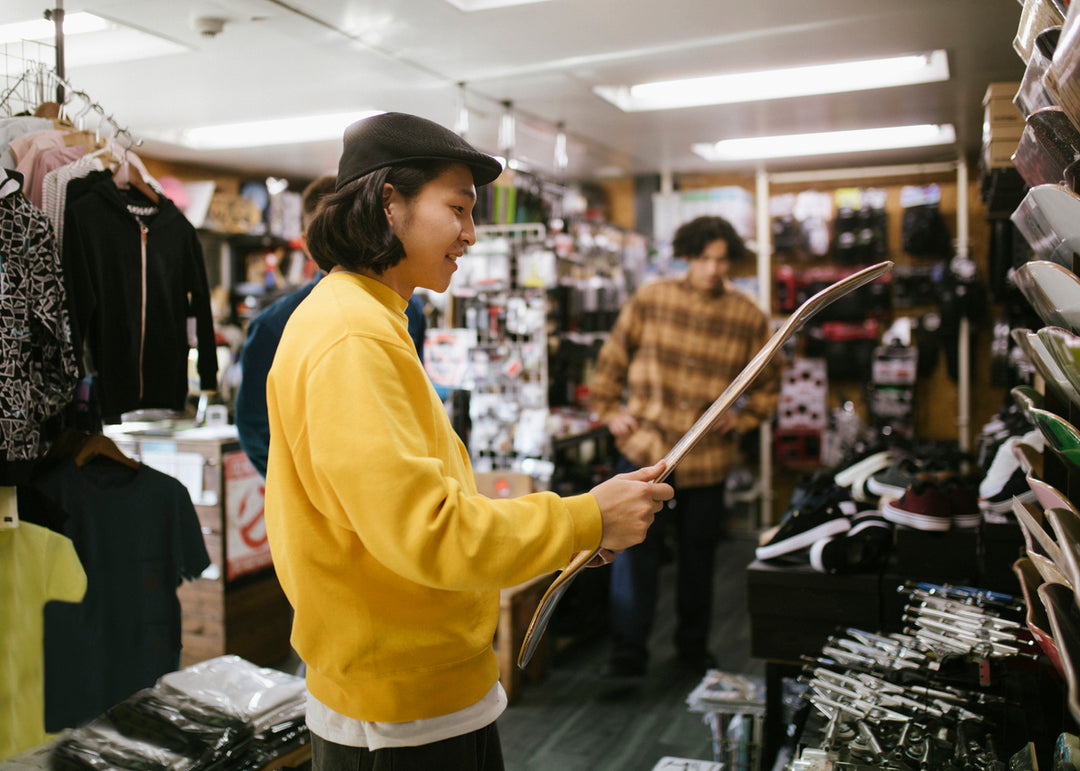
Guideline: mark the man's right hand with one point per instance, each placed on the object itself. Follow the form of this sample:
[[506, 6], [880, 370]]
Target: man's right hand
[[621, 425], [628, 504]]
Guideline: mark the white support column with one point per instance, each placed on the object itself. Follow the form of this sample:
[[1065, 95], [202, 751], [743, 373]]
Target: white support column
[[963, 397], [764, 273]]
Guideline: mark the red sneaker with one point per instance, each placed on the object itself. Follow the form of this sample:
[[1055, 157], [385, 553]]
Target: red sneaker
[[923, 506]]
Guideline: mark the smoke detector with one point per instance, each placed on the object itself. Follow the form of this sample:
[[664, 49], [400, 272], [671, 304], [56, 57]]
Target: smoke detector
[[209, 26]]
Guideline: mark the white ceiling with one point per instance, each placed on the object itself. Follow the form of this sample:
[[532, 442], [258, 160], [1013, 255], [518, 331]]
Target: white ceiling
[[280, 59]]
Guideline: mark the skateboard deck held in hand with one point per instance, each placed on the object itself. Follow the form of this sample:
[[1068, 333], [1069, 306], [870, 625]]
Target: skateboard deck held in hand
[[724, 402]]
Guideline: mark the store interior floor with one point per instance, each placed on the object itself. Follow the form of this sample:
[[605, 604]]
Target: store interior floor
[[575, 719]]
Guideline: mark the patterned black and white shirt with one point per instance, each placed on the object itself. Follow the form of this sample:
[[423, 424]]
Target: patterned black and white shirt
[[38, 368]]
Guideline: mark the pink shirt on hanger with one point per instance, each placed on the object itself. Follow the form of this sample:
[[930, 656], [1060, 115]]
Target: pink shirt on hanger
[[26, 147]]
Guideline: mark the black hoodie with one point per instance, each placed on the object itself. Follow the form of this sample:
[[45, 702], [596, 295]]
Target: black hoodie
[[134, 281]]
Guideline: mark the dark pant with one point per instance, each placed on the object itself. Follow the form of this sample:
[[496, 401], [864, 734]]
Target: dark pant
[[697, 520], [476, 751]]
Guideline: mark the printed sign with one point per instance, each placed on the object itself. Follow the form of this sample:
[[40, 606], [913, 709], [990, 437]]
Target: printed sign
[[246, 546]]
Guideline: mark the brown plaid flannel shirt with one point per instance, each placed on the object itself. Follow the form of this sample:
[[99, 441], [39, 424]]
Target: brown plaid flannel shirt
[[675, 349]]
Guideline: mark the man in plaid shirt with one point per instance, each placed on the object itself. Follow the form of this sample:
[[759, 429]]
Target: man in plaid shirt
[[677, 344]]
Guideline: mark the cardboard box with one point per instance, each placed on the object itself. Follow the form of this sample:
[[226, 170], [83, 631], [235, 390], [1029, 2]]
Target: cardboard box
[[1001, 90], [998, 153], [1002, 112]]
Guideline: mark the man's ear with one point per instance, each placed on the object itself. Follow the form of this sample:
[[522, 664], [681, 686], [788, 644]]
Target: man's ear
[[387, 196]]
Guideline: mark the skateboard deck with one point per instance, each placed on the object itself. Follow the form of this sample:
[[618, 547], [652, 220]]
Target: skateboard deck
[[1064, 616], [1036, 536], [1035, 350], [1036, 618], [1061, 436], [1052, 290], [1064, 347], [1033, 93], [1066, 526], [1049, 144], [1048, 218]]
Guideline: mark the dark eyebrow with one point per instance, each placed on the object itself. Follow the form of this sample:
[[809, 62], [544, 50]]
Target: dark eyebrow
[[468, 192]]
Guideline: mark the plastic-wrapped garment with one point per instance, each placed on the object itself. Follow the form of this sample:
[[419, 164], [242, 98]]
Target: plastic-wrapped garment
[[257, 695], [99, 746], [188, 728]]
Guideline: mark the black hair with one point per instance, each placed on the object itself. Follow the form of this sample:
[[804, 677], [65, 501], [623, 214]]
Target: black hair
[[313, 193], [692, 237], [350, 228]]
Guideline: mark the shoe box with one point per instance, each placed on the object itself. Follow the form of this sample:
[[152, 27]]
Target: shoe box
[[794, 610]]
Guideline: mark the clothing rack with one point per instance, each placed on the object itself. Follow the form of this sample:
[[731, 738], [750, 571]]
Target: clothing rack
[[25, 93], [21, 83], [26, 81]]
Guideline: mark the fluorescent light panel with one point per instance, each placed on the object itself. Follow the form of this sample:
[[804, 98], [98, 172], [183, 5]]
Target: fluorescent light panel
[[485, 5], [826, 143], [264, 133], [834, 78], [90, 39]]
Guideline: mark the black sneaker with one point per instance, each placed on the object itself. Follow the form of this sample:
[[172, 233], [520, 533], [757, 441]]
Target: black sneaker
[[862, 549], [1000, 502], [893, 481], [815, 520]]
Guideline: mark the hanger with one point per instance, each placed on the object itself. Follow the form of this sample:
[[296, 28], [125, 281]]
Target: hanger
[[128, 173], [99, 445], [84, 447], [136, 180]]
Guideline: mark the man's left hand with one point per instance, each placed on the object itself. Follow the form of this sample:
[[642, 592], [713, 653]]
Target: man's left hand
[[726, 423]]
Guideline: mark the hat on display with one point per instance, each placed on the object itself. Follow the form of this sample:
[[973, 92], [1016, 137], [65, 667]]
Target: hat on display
[[394, 137]]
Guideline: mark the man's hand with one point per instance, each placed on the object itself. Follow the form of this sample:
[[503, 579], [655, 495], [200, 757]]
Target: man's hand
[[726, 422], [622, 424], [628, 504]]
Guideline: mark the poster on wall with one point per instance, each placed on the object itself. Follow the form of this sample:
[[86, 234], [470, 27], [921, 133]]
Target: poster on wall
[[246, 546]]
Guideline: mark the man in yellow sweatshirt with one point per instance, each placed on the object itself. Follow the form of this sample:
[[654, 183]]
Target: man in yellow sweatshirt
[[391, 559]]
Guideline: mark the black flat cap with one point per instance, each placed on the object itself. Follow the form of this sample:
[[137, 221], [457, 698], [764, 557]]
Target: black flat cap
[[394, 137]]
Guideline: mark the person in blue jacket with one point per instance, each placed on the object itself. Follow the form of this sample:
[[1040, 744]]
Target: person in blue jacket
[[264, 334]]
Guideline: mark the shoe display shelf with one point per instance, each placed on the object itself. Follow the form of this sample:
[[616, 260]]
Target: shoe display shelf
[[1021, 675], [1048, 103]]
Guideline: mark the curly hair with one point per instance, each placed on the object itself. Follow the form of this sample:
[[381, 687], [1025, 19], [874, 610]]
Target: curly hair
[[350, 228], [692, 237]]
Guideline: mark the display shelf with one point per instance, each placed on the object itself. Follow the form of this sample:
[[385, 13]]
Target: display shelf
[[255, 270]]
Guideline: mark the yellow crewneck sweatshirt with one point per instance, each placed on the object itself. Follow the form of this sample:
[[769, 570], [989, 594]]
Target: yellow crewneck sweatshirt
[[391, 559]]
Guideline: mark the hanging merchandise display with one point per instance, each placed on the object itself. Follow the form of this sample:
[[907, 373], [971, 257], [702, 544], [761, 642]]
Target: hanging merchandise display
[[40, 371], [137, 292], [924, 231]]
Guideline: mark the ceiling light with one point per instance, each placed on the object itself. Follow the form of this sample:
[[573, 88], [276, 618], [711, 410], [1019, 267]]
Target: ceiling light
[[90, 39], [507, 130], [263, 133], [485, 5], [826, 143], [562, 158], [738, 87], [43, 29]]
